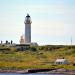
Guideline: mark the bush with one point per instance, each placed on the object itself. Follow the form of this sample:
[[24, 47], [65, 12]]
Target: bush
[[33, 49]]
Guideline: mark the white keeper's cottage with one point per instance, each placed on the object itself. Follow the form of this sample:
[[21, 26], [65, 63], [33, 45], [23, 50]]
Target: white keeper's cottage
[[61, 61]]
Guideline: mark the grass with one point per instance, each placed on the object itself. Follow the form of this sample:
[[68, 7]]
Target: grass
[[43, 57]]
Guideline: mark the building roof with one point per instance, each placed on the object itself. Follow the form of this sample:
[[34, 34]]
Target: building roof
[[22, 44], [60, 60], [27, 15]]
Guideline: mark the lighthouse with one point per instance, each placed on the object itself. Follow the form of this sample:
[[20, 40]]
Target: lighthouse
[[27, 23]]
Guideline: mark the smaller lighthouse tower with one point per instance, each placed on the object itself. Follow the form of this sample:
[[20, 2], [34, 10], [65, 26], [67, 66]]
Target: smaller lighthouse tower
[[27, 23]]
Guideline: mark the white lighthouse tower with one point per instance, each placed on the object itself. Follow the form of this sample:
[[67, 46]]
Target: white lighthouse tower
[[27, 23]]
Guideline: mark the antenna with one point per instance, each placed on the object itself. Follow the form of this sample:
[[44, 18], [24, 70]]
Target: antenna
[[71, 43]]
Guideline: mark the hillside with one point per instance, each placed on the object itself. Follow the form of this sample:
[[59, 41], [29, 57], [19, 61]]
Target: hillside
[[36, 57]]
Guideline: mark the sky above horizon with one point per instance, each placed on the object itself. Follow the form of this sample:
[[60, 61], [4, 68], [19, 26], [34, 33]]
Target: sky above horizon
[[53, 21]]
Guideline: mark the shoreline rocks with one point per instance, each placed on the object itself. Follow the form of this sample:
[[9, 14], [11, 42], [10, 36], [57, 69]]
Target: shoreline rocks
[[26, 71]]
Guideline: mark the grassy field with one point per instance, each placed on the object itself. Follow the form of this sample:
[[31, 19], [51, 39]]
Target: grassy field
[[42, 57]]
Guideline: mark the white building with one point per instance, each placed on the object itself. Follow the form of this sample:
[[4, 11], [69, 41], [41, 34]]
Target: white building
[[34, 44], [61, 61], [27, 23]]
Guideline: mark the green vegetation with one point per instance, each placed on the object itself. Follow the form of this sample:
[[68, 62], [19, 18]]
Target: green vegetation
[[36, 57]]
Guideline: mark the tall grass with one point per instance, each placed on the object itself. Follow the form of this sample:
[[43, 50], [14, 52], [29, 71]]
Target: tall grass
[[43, 57]]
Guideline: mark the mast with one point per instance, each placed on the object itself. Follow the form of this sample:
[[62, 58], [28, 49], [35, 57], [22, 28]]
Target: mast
[[71, 43]]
